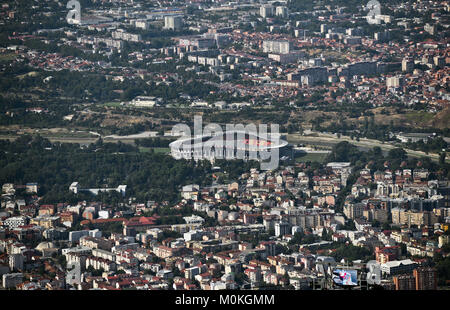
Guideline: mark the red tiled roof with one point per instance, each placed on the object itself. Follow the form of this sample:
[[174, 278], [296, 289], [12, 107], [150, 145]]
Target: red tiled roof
[[141, 221], [102, 221]]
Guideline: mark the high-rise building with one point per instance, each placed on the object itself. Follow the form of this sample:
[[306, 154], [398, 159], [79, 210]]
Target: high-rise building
[[439, 61], [394, 82], [266, 10], [354, 211], [296, 229], [281, 229], [173, 22], [431, 29], [278, 46], [362, 68], [300, 33], [141, 24], [309, 76], [16, 261], [404, 282], [408, 217], [425, 278], [443, 240], [407, 65], [10, 280], [122, 35], [382, 36], [281, 11]]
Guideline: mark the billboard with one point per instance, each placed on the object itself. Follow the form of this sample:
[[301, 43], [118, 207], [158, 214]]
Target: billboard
[[345, 277]]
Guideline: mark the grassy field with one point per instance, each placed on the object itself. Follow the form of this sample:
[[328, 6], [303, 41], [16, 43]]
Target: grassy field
[[419, 117], [80, 135], [113, 104], [7, 57], [32, 73], [318, 157]]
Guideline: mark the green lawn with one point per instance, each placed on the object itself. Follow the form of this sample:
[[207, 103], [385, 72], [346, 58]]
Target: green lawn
[[7, 57], [318, 157], [419, 116], [113, 104]]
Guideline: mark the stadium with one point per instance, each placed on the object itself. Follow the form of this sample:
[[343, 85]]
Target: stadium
[[230, 145]]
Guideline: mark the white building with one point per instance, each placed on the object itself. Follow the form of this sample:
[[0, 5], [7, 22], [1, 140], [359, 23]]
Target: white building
[[74, 187], [277, 46], [122, 35], [16, 261], [266, 10], [75, 236], [103, 214], [281, 11], [281, 229], [12, 279], [296, 229], [191, 272], [290, 57], [104, 254], [193, 235], [100, 263], [173, 22], [398, 267], [141, 24], [144, 101], [394, 82], [193, 219]]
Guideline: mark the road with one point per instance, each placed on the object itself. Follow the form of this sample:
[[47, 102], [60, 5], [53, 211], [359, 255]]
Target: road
[[363, 142], [317, 137], [56, 139]]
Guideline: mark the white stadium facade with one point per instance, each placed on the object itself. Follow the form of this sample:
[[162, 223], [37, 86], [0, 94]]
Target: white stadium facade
[[230, 145]]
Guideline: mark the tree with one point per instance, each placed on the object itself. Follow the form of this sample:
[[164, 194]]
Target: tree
[[397, 154], [61, 259], [350, 252], [95, 272], [442, 158], [326, 235], [385, 226], [443, 270], [349, 225], [403, 248], [283, 249], [310, 238], [297, 238], [346, 152]]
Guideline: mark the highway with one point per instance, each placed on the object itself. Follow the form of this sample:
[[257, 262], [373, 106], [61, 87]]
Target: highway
[[317, 138], [331, 139]]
